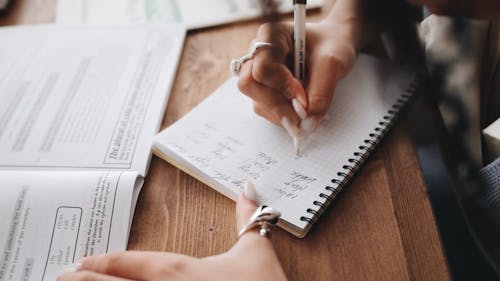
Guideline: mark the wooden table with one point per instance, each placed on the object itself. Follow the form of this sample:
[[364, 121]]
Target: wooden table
[[381, 228]]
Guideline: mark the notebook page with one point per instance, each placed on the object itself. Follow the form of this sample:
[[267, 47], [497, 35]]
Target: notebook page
[[225, 140]]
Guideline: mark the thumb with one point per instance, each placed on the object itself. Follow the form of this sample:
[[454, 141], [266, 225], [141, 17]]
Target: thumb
[[246, 205], [253, 250]]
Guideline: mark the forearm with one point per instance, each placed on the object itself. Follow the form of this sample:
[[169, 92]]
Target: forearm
[[346, 16]]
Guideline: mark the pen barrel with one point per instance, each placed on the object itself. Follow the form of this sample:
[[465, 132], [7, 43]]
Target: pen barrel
[[299, 38]]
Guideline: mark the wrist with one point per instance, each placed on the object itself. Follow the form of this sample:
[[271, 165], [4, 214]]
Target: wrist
[[352, 18], [340, 32]]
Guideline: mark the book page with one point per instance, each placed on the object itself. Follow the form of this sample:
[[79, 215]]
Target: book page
[[117, 11], [204, 13], [84, 97], [192, 13], [223, 142], [51, 219]]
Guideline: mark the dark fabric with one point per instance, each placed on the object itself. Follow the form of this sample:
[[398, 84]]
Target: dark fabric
[[490, 181]]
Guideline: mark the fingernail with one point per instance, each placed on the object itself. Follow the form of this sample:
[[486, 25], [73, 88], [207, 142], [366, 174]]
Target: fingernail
[[300, 94], [250, 191], [299, 109], [292, 130], [308, 125], [296, 145], [74, 267]]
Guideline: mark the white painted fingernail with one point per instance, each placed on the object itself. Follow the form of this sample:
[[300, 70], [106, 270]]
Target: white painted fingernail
[[292, 130], [308, 125], [250, 191], [296, 145], [74, 267], [299, 109]]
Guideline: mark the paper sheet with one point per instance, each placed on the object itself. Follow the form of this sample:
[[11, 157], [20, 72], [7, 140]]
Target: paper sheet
[[192, 13], [51, 219], [84, 97]]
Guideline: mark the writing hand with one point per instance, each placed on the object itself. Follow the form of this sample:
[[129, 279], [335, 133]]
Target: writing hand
[[269, 81]]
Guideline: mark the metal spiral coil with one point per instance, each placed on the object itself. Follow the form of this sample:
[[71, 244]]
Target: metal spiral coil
[[361, 155]]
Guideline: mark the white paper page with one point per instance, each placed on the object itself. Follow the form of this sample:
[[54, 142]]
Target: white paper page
[[226, 142], [51, 219], [84, 97], [193, 13], [117, 11], [204, 13]]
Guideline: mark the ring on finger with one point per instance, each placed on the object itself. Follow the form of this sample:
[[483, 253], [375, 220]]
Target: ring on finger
[[264, 217], [235, 65]]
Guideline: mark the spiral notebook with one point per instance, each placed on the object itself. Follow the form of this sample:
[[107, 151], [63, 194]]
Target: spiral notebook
[[222, 143]]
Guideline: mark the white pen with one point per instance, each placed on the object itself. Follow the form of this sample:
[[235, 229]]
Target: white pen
[[299, 58], [299, 38]]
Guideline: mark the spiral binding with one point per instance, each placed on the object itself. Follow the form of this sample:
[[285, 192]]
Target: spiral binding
[[359, 157]]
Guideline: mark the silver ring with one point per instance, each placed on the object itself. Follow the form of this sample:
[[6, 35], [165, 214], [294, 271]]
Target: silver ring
[[235, 65], [263, 217]]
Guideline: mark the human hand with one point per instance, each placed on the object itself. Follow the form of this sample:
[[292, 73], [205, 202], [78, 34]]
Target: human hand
[[277, 95], [251, 258]]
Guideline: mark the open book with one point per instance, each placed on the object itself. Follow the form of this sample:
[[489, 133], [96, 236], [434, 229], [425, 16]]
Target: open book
[[80, 107], [223, 143]]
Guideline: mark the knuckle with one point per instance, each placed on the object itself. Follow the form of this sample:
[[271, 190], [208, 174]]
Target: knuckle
[[262, 71], [277, 114], [320, 104], [174, 267], [274, 75], [331, 59], [258, 109], [82, 276], [338, 63], [245, 81], [277, 33], [286, 87], [112, 261], [265, 29]]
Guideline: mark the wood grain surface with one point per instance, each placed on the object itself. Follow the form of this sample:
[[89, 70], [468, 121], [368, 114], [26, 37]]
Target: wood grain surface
[[381, 227]]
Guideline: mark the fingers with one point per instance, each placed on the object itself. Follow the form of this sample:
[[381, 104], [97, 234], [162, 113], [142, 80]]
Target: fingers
[[269, 71], [253, 251], [268, 103], [268, 81], [246, 205], [266, 78], [323, 78], [137, 265], [88, 276], [270, 64]]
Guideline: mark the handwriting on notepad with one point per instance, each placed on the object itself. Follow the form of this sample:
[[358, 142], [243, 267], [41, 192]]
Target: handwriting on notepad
[[295, 183], [225, 148], [200, 136], [299, 181], [252, 167], [225, 159], [257, 165]]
